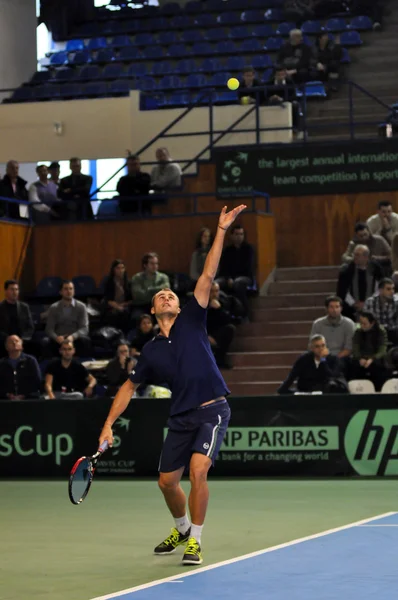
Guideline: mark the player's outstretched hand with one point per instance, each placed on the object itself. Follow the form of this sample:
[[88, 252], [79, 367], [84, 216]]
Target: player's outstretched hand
[[227, 218], [106, 435]]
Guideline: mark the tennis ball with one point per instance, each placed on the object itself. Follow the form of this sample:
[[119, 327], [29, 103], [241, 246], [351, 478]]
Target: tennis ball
[[233, 83], [245, 100]]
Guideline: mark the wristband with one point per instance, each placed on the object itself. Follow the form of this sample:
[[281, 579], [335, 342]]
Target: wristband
[[223, 228]]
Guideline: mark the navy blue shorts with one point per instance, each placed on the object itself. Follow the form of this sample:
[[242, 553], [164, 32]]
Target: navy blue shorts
[[199, 430]]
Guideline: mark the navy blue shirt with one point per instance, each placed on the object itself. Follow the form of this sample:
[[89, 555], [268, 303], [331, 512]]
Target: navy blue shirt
[[184, 360]]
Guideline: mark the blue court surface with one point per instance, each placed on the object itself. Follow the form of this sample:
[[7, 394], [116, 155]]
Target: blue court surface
[[358, 561]]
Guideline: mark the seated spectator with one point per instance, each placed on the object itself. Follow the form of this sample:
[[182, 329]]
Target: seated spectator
[[336, 329], [358, 281], [12, 186], [147, 283], [384, 307], [296, 57], [245, 90], [203, 245], [74, 190], [134, 184], [15, 316], [54, 170], [43, 196], [117, 297], [328, 56], [220, 329], [19, 373], [385, 222], [66, 378], [379, 250], [166, 175], [237, 266], [67, 320], [315, 371], [119, 368], [369, 348], [282, 89], [144, 333]]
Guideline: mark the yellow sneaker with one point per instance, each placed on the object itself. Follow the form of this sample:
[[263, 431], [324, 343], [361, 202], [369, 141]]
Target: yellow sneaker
[[192, 554], [169, 545]]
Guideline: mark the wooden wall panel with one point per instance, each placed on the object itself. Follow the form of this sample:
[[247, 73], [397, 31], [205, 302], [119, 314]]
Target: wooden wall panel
[[14, 240], [266, 246]]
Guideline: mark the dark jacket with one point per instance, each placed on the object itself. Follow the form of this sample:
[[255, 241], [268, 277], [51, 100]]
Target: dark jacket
[[286, 91], [25, 321], [25, 381], [116, 375], [237, 262], [7, 191], [134, 185], [255, 94], [78, 199], [139, 339], [346, 278], [370, 344], [219, 317], [109, 291], [311, 378], [298, 57], [329, 56]]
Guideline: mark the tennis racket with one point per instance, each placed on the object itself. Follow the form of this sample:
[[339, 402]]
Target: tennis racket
[[82, 474]]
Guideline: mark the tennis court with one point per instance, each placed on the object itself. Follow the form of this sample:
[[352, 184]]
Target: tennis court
[[53, 550]]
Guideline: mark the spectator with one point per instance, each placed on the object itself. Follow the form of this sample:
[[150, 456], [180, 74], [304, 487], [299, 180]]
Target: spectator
[[296, 57], [13, 186], [220, 329], [328, 55], [68, 320], [54, 170], [144, 333], [75, 192], [315, 371], [134, 184], [336, 329], [245, 90], [282, 89], [119, 368], [384, 307], [147, 283], [15, 316], [19, 373], [43, 196], [237, 266], [66, 378], [117, 297], [166, 175], [369, 347], [379, 250], [203, 245], [358, 281], [385, 222]]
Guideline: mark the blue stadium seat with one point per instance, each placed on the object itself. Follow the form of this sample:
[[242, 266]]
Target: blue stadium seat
[[80, 58], [157, 24], [137, 70], [119, 41], [48, 287], [261, 61], [129, 53], [59, 58], [228, 18], [74, 45], [95, 89], [41, 77], [345, 57], [97, 43], [269, 3], [187, 65], [350, 38], [162, 68], [253, 45], [195, 80], [71, 90], [219, 79], [240, 32], [65, 74], [84, 285], [273, 14], [181, 22], [285, 28], [22, 94], [217, 6], [170, 82], [273, 44], [105, 55], [206, 20], [127, 26], [267, 75], [313, 89], [178, 99], [179, 50], [112, 71], [311, 27], [226, 47], [227, 98], [237, 4], [216, 35], [191, 36], [88, 29], [119, 87], [203, 48], [210, 65], [89, 73], [253, 16], [48, 91], [336, 24], [235, 63], [263, 31], [146, 84], [143, 39], [168, 37], [170, 8], [193, 6], [153, 52], [108, 208]]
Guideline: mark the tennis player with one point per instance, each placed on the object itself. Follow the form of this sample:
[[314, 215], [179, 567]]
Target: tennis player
[[199, 416]]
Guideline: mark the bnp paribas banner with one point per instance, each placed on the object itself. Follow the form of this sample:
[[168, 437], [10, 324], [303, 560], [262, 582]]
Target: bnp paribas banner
[[292, 436]]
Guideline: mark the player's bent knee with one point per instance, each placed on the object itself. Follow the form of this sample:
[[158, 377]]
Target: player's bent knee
[[198, 468], [168, 481]]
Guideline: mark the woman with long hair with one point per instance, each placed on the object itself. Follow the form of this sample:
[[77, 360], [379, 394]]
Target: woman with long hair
[[117, 297], [204, 241]]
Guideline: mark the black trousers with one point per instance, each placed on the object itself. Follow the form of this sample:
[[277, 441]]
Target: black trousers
[[377, 372], [223, 336]]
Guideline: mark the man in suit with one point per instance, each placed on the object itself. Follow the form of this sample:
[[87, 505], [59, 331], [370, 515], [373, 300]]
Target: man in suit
[[315, 371], [15, 316], [132, 186], [12, 186], [74, 190]]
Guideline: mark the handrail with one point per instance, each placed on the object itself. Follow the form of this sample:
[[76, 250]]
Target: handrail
[[370, 95]]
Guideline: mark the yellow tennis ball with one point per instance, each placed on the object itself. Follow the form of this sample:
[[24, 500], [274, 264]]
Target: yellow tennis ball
[[233, 83], [245, 100]]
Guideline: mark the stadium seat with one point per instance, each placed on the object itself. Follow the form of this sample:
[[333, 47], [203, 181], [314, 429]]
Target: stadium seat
[[235, 63], [170, 82], [285, 28], [119, 87], [178, 99], [181, 22], [336, 24], [161, 68], [41, 77], [129, 53], [253, 16], [112, 71], [345, 57], [47, 92], [107, 55], [157, 24], [170, 8], [361, 23], [263, 31], [143, 39], [216, 35], [97, 43], [146, 84], [219, 79], [350, 38], [274, 44], [191, 36], [195, 80], [218, 6], [237, 4], [313, 89], [137, 70], [203, 48], [89, 73], [65, 74], [127, 26], [361, 386], [71, 90], [390, 386], [84, 285], [153, 52], [187, 65], [22, 94], [80, 58], [261, 61], [107, 209], [193, 6], [252, 45], [240, 32], [227, 98], [267, 74], [95, 89], [311, 27], [227, 47], [210, 65], [59, 58], [273, 14], [228, 18], [74, 45], [167, 37], [178, 50], [48, 287], [206, 20], [119, 41]]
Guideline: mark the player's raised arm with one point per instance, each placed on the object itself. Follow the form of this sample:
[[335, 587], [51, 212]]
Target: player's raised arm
[[119, 405], [202, 289]]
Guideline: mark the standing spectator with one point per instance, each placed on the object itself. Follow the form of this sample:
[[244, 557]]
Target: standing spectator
[[75, 192], [166, 175], [369, 348], [358, 281], [237, 267], [19, 373], [220, 329], [12, 186], [328, 56], [203, 245], [43, 196], [379, 250], [296, 57], [336, 329], [384, 222], [54, 170], [15, 316], [117, 297], [68, 320], [66, 378], [134, 184], [385, 308], [247, 83], [315, 371], [147, 283], [119, 368], [144, 333]]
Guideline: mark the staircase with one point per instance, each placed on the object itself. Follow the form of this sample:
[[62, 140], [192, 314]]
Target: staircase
[[265, 349]]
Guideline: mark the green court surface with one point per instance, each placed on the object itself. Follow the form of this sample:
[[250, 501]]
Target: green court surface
[[52, 550]]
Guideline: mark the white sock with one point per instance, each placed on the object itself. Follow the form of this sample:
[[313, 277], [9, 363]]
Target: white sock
[[196, 532], [182, 524]]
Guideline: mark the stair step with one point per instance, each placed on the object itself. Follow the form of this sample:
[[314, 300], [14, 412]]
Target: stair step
[[307, 273], [266, 315], [268, 343], [326, 286], [256, 374], [264, 359], [291, 300], [281, 328], [265, 388]]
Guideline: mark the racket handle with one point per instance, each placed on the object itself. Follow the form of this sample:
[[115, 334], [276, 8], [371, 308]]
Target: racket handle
[[104, 446]]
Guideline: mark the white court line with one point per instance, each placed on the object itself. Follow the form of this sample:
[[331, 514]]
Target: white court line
[[391, 525], [223, 563]]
